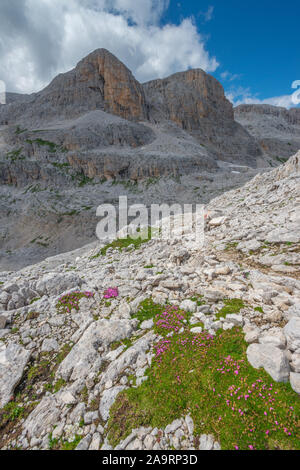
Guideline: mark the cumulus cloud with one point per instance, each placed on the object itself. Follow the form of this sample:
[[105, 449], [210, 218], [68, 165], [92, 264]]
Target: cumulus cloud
[[41, 38], [242, 95], [140, 12]]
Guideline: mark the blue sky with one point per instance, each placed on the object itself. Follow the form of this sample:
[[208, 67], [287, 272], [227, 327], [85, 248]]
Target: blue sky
[[251, 46], [256, 42]]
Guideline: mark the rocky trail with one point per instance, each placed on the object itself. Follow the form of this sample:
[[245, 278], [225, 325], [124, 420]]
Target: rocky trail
[[162, 345]]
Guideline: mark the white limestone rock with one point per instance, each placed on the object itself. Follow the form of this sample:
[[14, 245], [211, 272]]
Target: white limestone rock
[[108, 398], [271, 358], [84, 358], [189, 306], [292, 333], [295, 382], [13, 360]]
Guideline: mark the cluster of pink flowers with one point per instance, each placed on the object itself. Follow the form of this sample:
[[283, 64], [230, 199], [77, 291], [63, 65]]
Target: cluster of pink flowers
[[171, 319], [161, 347], [88, 294], [111, 293], [259, 392], [71, 301]]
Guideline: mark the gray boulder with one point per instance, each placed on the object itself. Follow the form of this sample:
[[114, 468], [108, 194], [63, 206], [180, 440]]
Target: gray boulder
[[272, 359], [295, 382], [56, 283], [84, 357], [189, 306], [292, 333]]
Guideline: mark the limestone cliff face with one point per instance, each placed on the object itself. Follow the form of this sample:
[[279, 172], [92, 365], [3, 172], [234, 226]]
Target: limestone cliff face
[[99, 81], [186, 98], [196, 102]]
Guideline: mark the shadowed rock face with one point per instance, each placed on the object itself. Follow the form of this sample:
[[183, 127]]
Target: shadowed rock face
[[186, 98], [277, 130], [99, 81], [196, 102]]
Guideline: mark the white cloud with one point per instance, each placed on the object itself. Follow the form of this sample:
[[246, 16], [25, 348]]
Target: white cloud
[[41, 38], [242, 95], [140, 12], [208, 15], [228, 76]]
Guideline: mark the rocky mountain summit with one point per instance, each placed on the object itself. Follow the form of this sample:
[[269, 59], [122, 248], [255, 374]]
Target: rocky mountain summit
[[99, 81], [75, 111], [162, 344]]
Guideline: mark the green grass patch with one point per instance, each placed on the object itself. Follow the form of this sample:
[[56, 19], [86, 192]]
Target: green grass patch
[[82, 179], [70, 213], [34, 189], [15, 155], [121, 243], [147, 310], [210, 378], [259, 309], [151, 181], [54, 388], [19, 131], [60, 166], [231, 306], [231, 246], [66, 445], [11, 412], [60, 444], [281, 160], [198, 299]]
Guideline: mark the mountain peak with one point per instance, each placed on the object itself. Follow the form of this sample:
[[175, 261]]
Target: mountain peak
[[99, 81]]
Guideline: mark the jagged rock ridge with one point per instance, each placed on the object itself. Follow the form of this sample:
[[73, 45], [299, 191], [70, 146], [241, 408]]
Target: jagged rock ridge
[[277, 130]]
